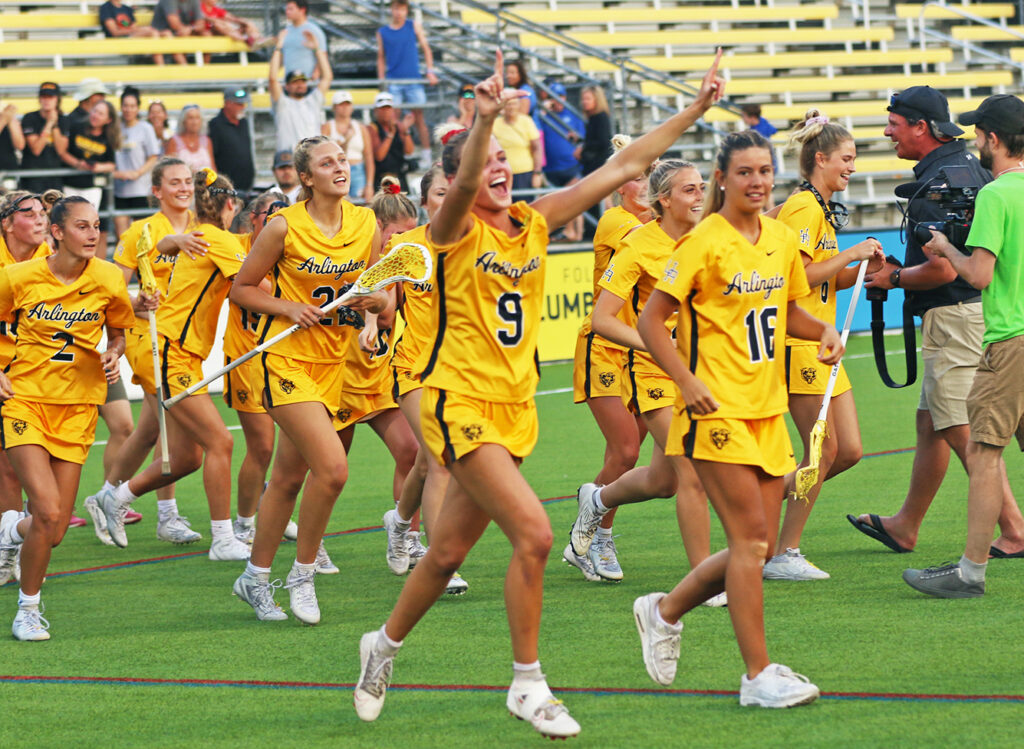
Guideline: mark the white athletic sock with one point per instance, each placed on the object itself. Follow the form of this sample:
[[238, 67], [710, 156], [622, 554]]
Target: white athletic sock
[[25, 600], [526, 672], [107, 486], [972, 572], [166, 509], [598, 504], [403, 524], [123, 494], [604, 532], [221, 529], [15, 536], [252, 569], [304, 567], [248, 522], [661, 619], [386, 644]]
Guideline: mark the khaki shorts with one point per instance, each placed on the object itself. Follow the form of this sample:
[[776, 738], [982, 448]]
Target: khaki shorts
[[753, 442], [455, 425], [951, 349], [995, 405]]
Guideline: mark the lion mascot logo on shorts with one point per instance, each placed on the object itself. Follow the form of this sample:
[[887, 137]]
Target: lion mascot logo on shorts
[[287, 386], [472, 432], [242, 395], [345, 414], [719, 437], [19, 426], [607, 379], [184, 380], [655, 394], [809, 374]]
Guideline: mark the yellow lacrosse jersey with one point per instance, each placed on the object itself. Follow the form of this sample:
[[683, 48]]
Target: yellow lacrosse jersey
[[635, 270], [8, 333], [802, 214], [316, 269], [242, 326], [197, 290], [59, 327], [367, 373], [732, 312], [159, 227], [487, 309], [416, 307], [613, 227]]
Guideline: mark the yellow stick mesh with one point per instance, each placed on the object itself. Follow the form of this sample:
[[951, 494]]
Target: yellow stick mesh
[[807, 476], [406, 262]]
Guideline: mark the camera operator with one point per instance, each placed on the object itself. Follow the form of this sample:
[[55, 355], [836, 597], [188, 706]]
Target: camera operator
[[951, 324], [995, 405]]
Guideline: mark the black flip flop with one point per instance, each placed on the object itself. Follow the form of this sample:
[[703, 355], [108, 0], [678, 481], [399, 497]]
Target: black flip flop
[[995, 553], [876, 530]]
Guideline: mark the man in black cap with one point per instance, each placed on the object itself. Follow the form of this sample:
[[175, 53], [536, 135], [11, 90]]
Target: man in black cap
[[951, 324], [229, 135], [44, 130], [285, 175], [995, 405], [298, 111]]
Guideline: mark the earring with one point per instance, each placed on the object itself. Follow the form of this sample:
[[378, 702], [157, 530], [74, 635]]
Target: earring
[[722, 188]]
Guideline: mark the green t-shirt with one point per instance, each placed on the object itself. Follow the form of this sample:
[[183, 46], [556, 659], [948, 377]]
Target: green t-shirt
[[998, 226]]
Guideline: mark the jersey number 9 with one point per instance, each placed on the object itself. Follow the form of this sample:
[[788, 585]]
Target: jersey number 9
[[510, 310]]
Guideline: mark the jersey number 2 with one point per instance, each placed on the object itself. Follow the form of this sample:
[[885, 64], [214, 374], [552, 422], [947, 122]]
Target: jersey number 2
[[761, 333], [68, 341], [510, 310]]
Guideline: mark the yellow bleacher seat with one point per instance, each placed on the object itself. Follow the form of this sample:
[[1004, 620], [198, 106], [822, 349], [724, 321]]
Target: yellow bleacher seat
[[140, 75], [208, 101], [63, 21], [988, 34], [883, 165], [729, 37], [837, 110], [912, 11], [691, 14], [103, 47], [1017, 54]]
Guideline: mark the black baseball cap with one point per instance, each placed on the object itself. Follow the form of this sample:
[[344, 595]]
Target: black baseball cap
[[236, 94], [925, 103], [282, 158], [49, 88], [1001, 113], [295, 75]]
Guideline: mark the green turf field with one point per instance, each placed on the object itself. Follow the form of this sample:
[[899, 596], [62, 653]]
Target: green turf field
[[161, 654]]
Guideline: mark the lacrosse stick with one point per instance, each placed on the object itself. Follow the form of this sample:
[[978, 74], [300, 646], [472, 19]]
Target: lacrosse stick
[[807, 476], [407, 261], [147, 284]]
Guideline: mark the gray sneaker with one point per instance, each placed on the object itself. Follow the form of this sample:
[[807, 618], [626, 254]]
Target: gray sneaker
[[416, 548], [99, 520], [659, 641], [244, 532], [603, 556], [302, 594], [397, 555], [587, 520], [583, 564], [792, 565], [374, 677], [324, 565], [258, 592], [8, 549], [944, 581], [176, 530], [114, 513]]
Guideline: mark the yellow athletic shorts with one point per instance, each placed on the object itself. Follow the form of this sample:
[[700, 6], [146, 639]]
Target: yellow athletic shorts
[[138, 350], [179, 369], [404, 381], [287, 380], [455, 425], [754, 442], [805, 375], [355, 407], [597, 369], [243, 387], [66, 431]]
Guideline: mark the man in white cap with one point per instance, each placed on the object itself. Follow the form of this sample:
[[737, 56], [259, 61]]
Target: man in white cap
[[89, 93], [391, 140]]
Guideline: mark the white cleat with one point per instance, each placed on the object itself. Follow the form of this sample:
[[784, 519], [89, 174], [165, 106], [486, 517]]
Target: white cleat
[[604, 558], [717, 601], [244, 532], [658, 640], [456, 585], [533, 702], [777, 686], [176, 530], [258, 592], [114, 513], [29, 625], [416, 548], [397, 554], [291, 531], [229, 549], [583, 564], [302, 596], [324, 565], [99, 520], [9, 550], [374, 677], [587, 519], [792, 566]]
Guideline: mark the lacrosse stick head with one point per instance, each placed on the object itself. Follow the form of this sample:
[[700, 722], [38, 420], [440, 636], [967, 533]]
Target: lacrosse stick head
[[407, 261], [807, 476], [142, 249]]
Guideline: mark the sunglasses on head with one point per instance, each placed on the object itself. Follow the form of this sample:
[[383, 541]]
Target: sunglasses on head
[[272, 209], [469, 94], [16, 206]]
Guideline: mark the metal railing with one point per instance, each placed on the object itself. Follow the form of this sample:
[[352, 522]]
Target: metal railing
[[968, 48]]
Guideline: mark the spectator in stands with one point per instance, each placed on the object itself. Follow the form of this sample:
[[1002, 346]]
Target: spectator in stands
[[191, 144], [91, 147], [298, 112], [180, 18], [285, 175], [134, 160], [751, 116], [45, 130], [466, 107], [220, 21], [391, 141], [597, 143], [516, 132], [562, 130], [156, 116], [89, 93], [118, 20], [12, 139], [232, 146], [398, 58], [294, 42], [515, 77], [354, 137]]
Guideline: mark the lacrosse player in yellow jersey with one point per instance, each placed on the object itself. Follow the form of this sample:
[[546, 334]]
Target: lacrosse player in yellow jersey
[[63, 304], [314, 249], [186, 327], [734, 281], [826, 158], [479, 376]]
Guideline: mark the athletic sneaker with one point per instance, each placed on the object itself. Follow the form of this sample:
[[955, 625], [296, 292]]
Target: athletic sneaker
[[258, 592], [229, 549], [99, 520], [176, 530], [531, 700], [944, 581], [131, 517], [717, 602], [30, 625], [77, 522], [324, 565], [8, 548], [777, 686], [456, 586], [602, 555], [658, 640], [581, 563], [114, 513], [291, 531], [397, 555], [416, 548], [17, 566], [244, 532], [302, 595], [374, 677], [792, 566], [587, 519]]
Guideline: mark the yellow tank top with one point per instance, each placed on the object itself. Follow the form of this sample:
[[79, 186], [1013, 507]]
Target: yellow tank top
[[315, 269], [8, 333], [486, 314]]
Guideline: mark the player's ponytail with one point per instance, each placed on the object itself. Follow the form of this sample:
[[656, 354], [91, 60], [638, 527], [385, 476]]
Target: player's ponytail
[[814, 135], [390, 205], [659, 184], [213, 191]]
